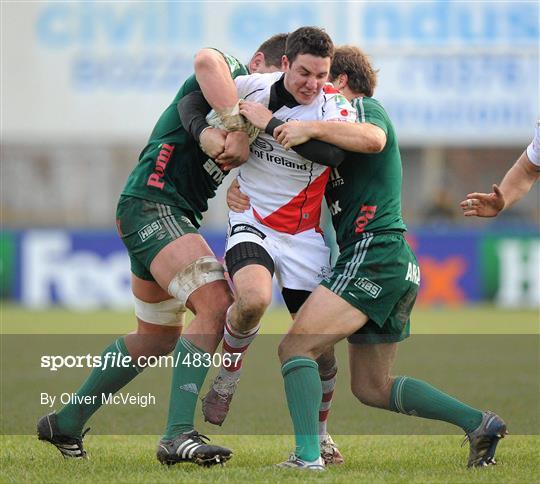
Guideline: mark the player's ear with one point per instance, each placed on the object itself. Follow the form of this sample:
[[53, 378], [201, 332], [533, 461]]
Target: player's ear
[[256, 62], [285, 65], [341, 81]]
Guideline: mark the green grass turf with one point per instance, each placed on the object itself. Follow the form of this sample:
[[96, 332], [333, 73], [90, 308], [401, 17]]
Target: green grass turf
[[370, 458], [483, 319], [389, 459]]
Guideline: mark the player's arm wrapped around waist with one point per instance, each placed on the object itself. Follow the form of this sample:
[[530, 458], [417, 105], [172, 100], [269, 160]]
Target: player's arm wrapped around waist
[[313, 150]]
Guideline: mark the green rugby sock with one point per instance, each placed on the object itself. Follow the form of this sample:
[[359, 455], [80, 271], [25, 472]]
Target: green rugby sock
[[73, 416], [304, 393], [186, 383], [416, 397]]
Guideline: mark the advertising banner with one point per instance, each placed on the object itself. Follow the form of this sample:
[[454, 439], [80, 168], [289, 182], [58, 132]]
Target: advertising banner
[[449, 71], [89, 269], [510, 268]]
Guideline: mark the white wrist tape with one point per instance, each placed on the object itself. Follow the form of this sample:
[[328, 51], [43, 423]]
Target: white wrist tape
[[231, 119]]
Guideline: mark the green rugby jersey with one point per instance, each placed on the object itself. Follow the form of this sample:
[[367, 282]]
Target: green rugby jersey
[[364, 192], [172, 169]]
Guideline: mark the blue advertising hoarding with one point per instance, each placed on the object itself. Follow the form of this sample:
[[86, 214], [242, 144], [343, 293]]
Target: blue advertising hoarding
[[90, 269]]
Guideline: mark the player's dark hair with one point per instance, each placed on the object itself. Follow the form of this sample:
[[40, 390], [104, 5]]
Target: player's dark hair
[[273, 50], [309, 40], [350, 60]]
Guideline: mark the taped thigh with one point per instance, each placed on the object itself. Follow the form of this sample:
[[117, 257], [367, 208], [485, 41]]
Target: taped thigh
[[199, 273], [247, 253], [166, 313]]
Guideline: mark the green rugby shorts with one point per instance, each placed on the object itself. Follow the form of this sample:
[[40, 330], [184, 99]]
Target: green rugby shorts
[[378, 275], [146, 227]]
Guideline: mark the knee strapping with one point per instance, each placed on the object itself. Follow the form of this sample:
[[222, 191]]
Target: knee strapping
[[199, 273], [167, 313]]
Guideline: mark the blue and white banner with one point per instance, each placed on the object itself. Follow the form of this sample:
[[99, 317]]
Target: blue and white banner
[[449, 71], [88, 269]]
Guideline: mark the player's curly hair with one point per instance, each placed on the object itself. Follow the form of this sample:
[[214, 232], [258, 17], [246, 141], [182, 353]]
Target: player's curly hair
[[273, 49], [350, 60], [309, 40]]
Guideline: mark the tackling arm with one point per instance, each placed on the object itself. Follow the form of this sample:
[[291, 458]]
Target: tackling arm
[[356, 137], [315, 150], [214, 78]]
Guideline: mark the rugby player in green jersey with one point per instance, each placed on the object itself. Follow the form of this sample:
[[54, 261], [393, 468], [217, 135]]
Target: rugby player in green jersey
[[172, 266], [372, 290], [369, 297]]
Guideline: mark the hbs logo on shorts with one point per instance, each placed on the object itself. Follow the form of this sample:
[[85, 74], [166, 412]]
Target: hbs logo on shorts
[[369, 287], [151, 229]]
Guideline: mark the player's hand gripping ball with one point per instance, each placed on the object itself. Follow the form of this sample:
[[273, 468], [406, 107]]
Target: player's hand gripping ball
[[234, 122]]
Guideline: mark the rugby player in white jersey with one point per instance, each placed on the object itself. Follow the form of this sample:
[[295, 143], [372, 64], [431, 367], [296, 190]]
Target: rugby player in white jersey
[[280, 233], [517, 182]]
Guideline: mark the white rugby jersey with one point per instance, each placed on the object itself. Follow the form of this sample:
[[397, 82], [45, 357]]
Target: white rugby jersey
[[285, 189], [533, 150]]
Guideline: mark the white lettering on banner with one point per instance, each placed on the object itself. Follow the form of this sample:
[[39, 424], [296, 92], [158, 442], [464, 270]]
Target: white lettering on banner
[[435, 104], [117, 64], [86, 24], [519, 273], [450, 22], [79, 280]]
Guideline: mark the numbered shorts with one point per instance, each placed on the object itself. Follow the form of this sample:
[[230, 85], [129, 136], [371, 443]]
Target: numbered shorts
[[378, 275], [146, 227], [301, 260]]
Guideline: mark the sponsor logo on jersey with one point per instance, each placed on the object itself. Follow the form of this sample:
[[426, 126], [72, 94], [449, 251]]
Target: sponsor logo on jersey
[[367, 212], [413, 274], [335, 178], [342, 102], [262, 144], [330, 89], [334, 208], [369, 287], [148, 230], [164, 156], [239, 228], [278, 160], [214, 170]]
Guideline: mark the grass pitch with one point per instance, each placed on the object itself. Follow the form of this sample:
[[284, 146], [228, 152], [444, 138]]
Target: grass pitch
[[369, 458], [395, 459]]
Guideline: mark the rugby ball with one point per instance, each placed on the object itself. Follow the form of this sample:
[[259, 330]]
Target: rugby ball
[[213, 120]]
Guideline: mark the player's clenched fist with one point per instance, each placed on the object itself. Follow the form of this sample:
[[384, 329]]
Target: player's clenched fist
[[212, 141], [236, 151]]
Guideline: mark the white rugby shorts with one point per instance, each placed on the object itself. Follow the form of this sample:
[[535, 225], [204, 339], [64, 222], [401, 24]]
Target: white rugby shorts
[[301, 260]]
